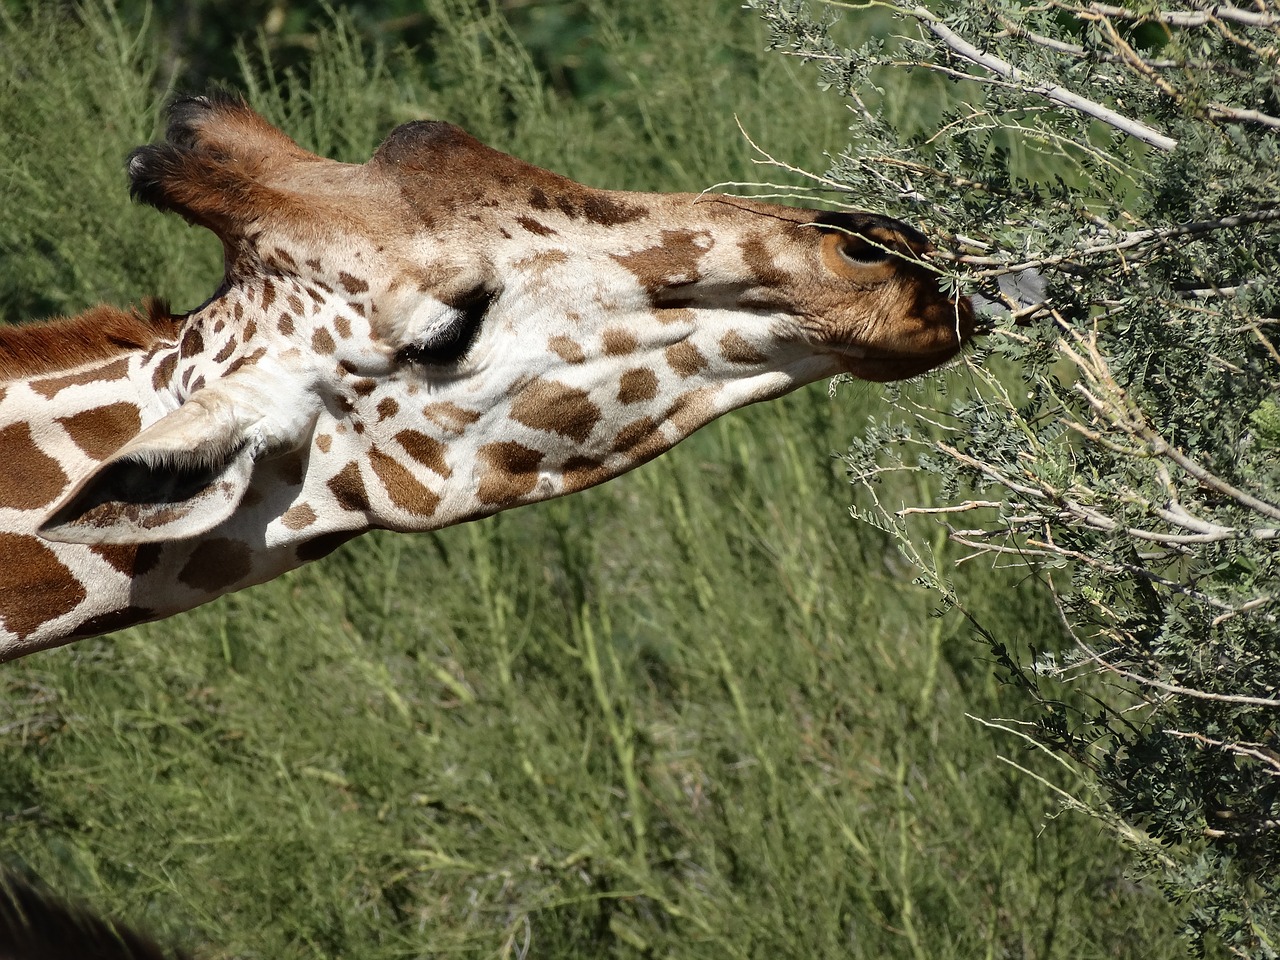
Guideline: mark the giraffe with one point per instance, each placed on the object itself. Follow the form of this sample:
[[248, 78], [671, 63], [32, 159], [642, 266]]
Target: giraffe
[[433, 336]]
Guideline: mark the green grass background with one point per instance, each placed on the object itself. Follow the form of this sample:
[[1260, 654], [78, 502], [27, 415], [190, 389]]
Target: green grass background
[[697, 712]]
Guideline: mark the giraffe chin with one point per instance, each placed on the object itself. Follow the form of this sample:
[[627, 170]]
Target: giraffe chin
[[884, 368]]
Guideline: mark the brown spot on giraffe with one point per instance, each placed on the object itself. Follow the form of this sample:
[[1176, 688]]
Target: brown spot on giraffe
[[693, 410], [285, 324], [450, 416], [228, 348], [510, 472], [762, 263], [101, 431], [534, 227], [685, 359], [268, 294], [298, 517], [216, 564], [567, 349], [247, 360], [322, 342], [619, 342], [343, 325], [557, 408], [405, 490], [582, 472], [347, 487], [352, 284], [32, 568], [610, 211], [428, 451], [387, 407], [163, 373], [40, 480], [49, 386], [735, 348], [192, 342], [637, 385], [135, 560], [676, 258], [671, 313], [324, 441]]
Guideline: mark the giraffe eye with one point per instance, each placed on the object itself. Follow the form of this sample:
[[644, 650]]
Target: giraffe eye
[[449, 341], [859, 252]]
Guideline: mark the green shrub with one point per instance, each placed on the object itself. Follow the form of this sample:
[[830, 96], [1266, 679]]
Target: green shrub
[[1109, 174], [690, 713]]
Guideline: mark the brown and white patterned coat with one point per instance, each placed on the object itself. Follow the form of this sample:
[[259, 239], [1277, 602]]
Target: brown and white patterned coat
[[433, 336]]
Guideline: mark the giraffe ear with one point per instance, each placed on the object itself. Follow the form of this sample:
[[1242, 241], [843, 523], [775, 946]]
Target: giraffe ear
[[187, 472]]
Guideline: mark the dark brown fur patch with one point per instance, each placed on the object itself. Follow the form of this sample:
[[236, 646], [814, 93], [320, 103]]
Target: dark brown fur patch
[[637, 385], [347, 487], [761, 263], [133, 560], [428, 451], [405, 490], [640, 440], [102, 431], [114, 370], [387, 407], [352, 284], [37, 586], [608, 212], [534, 227], [579, 473], [511, 472], [686, 359], [677, 255], [216, 564], [30, 479], [192, 342], [567, 349], [556, 408], [98, 334], [163, 372], [228, 348], [735, 348]]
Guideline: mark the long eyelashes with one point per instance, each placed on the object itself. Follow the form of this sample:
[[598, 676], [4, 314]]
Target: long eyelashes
[[449, 342]]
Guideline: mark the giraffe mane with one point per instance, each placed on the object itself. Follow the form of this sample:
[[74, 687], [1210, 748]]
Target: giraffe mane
[[99, 333]]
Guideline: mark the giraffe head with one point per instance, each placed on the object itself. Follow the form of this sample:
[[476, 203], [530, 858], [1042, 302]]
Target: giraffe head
[[446, 331]]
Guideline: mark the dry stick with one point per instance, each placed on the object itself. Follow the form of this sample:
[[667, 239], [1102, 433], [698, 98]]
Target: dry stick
[[1222, 11], [1051, 91]]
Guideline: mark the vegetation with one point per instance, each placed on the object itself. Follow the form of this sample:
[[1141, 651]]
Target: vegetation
[[1131, 466], [695, 712]]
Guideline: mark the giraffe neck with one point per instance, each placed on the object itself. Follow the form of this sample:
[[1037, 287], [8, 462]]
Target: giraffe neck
[[58, 426]]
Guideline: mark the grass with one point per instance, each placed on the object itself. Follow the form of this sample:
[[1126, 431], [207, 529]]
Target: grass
[[694, 713]]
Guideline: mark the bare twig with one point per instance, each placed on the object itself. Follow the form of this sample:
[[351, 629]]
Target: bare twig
[[1050, 91]]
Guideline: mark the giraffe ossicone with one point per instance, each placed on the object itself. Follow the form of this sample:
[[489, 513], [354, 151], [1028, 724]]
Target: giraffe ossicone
[[430, 337]]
